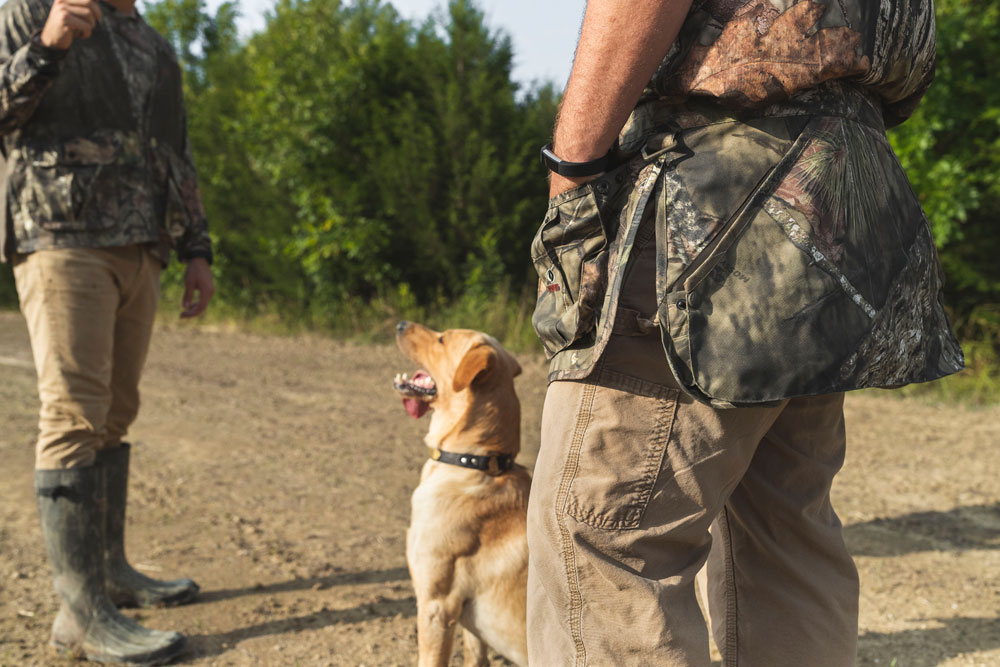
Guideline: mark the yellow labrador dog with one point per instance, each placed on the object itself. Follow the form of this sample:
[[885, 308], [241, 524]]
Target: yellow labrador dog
[[466, 545]]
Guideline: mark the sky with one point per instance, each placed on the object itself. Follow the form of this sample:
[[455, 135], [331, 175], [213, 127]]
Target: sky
[[544, 32]]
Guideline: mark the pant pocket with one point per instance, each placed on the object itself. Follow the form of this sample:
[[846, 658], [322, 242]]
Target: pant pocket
[[618, 449], [570, 255]]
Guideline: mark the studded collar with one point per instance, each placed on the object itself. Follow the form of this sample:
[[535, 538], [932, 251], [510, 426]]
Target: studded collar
[[491, 464]]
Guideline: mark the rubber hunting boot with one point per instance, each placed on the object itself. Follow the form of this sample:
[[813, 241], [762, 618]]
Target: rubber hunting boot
[[88, 624], [126, 586]]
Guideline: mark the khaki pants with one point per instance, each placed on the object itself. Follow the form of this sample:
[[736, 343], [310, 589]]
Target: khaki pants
[[631, 475], [90, 316]]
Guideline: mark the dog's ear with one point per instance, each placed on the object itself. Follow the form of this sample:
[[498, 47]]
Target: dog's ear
[[477, 362], [517, 366]]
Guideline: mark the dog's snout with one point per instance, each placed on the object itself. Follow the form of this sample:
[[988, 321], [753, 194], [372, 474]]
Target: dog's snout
[[401, 327]]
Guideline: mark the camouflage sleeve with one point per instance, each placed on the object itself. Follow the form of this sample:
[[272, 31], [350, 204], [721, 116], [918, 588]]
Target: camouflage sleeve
[[903, 56], [194, 240], [27, 68]]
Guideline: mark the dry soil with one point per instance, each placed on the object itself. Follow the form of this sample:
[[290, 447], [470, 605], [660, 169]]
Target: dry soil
[[277, 471]]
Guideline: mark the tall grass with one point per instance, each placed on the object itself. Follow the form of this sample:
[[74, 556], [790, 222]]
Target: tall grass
[[979, 383], [501, 314]]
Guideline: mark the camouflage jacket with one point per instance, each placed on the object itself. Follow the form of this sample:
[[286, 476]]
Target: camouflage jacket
[[793, 258], [94, 139]]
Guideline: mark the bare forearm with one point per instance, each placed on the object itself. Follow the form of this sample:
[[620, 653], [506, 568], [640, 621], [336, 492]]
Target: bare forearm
[[621, 45]]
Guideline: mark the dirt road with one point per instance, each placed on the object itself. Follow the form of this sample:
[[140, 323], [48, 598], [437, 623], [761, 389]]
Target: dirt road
[[277, 471]]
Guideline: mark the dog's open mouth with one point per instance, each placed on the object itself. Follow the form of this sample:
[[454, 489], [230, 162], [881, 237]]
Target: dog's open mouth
[[417, 392]]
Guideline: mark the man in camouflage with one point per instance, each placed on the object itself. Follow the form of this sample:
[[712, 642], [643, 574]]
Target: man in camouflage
[[753, 251], [98, 186]]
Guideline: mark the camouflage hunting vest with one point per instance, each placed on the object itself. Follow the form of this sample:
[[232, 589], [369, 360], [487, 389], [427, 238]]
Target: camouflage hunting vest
[[793, 258]]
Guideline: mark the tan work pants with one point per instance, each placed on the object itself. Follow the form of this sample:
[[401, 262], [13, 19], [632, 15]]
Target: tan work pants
[[630, 476], [90, 316]]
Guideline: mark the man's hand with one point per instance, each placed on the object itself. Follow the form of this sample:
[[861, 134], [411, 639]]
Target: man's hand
[[197, 279], [68, 20]]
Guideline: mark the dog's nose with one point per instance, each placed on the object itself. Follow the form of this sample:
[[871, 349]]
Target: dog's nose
[[401, 327]]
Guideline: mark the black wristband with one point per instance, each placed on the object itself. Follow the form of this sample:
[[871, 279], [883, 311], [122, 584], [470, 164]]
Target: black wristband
[[555, 164]]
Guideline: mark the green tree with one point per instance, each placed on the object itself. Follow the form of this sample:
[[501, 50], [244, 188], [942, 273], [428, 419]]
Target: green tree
[[408, 151], [248, 217], [951, 151]]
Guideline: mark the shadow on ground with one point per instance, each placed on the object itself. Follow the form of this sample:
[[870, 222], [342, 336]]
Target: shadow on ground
[[959, 529], [312, 583], [210, 645], [931, 646]]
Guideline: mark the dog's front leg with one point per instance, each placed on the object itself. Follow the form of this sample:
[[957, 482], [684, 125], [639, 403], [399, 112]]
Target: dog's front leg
[[435, 633], [475, 650]]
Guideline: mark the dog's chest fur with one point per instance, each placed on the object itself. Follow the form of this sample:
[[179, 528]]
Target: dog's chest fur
[[459, 514]]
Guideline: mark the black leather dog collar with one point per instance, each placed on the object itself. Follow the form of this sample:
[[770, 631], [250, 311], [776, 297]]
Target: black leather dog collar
[[494, 464]]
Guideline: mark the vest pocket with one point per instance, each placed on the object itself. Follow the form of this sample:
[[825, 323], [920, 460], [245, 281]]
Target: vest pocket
[[570, 255], [824, 282], [65, 191]]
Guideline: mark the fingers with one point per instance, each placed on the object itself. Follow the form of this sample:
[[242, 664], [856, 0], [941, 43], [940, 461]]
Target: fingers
[[196, 308], [197, 281], [79, 26], [187, 301], [69, 19], [83, 8]]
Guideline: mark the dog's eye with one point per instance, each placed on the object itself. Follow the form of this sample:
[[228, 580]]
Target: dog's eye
[[441, 339]]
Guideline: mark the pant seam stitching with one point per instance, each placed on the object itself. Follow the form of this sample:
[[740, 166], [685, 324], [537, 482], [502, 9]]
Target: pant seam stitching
[[731, 656], [659, 442], [569, 555]]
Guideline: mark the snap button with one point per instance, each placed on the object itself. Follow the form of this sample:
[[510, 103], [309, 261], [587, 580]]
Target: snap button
[[550, 276], [682, 304], [602, 187]]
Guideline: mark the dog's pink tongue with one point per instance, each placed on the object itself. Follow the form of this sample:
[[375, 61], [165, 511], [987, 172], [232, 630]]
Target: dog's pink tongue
[[415, 407]]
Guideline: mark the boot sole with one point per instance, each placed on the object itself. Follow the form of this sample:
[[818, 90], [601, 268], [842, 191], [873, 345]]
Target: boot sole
[[177, 600], [160, 657], [186, 597]]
